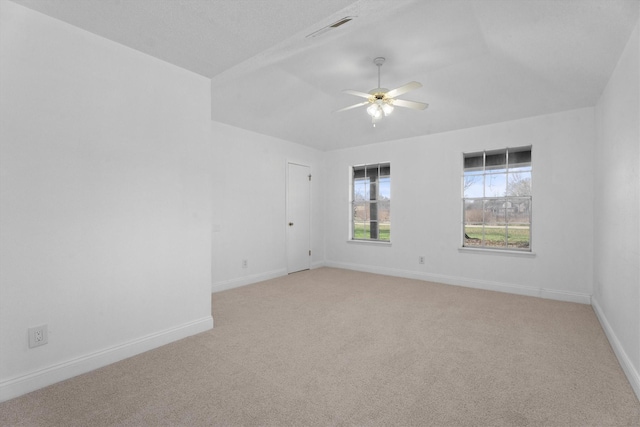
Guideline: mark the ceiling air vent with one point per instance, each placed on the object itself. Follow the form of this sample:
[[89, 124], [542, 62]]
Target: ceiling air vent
[[330, 26], [341, 22]]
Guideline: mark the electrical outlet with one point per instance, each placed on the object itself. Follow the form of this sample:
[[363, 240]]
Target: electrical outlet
[[421, 259], [245, 263], [38, 336]]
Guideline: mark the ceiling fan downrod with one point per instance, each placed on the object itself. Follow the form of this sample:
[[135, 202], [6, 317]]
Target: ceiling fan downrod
[[379, 61]]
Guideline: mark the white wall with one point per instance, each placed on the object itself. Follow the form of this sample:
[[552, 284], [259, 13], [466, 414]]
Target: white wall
[[617, 211], [249, 218], [426, 208], [105, 200]]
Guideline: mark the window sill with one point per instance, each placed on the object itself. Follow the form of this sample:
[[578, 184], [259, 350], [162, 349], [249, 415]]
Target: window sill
[[369, 242], [506, 252]]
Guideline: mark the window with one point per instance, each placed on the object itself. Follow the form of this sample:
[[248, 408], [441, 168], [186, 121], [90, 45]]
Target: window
[[371, 202], [496, 200]]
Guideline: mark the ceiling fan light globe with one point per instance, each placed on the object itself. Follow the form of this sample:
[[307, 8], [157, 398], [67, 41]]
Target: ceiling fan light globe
[[387, 109], [374, 110]]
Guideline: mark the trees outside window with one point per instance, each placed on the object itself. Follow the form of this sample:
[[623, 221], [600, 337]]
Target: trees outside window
[[496, 199], [371, 202]]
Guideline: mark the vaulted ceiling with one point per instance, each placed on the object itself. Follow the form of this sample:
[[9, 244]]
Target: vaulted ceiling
[[480, 61]]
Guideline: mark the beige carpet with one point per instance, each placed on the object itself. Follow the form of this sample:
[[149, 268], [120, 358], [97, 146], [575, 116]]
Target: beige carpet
[[336, 347]]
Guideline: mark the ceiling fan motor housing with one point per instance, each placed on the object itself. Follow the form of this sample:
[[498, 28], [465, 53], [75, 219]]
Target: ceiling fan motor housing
[[379, 92]]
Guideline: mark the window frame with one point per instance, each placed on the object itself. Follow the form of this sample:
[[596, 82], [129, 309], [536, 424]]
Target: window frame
[[354, 201], [491, 170]]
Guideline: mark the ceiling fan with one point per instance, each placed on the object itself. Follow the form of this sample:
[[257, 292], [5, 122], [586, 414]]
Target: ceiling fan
[[381, 100]]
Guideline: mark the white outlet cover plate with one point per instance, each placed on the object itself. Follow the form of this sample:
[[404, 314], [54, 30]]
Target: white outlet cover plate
[[38, 336]]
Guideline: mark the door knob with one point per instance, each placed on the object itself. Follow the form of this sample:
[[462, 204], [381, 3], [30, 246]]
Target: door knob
[[290, 224]]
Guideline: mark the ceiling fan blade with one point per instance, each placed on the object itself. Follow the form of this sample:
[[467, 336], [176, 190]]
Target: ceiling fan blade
[[352, 106], [410, 104], [357, 93], [403, 89]]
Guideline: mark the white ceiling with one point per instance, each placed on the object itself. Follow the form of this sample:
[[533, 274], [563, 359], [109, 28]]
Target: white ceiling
[[480, 61]]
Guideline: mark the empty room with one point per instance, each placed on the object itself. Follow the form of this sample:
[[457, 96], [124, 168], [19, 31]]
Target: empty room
[[315, 213]]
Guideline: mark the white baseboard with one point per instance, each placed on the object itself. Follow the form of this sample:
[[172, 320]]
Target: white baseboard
[[565, 296], [469, 283], [255, 278], [246, 280], [23, 384], [630, 371]]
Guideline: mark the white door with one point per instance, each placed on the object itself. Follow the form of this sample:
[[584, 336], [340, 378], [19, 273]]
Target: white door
[[298, 217]]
